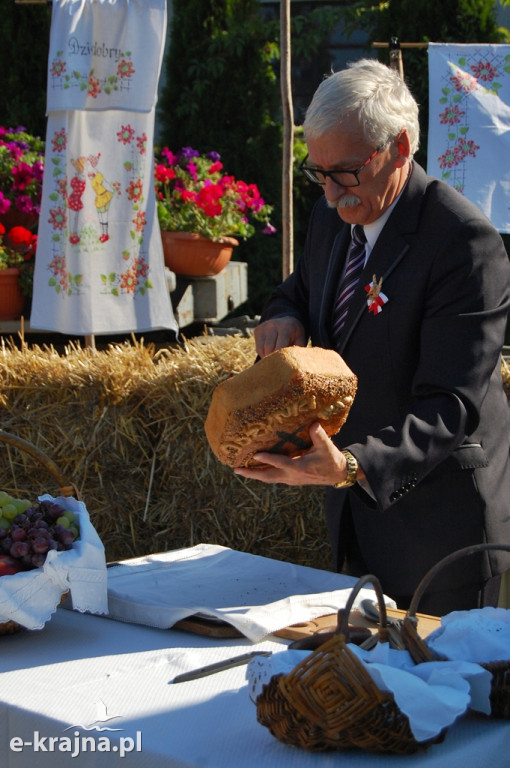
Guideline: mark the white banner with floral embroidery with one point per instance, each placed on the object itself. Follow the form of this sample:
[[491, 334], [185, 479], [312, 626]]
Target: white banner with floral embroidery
[[99, 264], [469, 124], [105, 54]]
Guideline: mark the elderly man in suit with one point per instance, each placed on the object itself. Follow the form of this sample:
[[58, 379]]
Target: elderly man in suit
[[417, 306]]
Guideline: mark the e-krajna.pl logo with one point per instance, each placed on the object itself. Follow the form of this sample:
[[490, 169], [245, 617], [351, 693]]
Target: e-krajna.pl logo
[[78, 744]]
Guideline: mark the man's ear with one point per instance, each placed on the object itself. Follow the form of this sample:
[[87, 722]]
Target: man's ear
[[403, 148], [403, 145]]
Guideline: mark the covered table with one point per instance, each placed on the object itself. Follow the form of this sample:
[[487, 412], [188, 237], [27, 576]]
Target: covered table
[[109, 683]]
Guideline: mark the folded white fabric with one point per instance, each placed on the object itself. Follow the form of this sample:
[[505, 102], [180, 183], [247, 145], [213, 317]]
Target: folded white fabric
[[31, 597], [432, 695], [481, 635], [256, 595]]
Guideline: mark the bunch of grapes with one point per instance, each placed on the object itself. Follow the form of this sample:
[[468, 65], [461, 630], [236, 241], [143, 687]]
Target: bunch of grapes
[[28, 531]]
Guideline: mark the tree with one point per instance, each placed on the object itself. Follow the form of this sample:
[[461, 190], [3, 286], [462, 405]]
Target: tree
[[455, 21], [24, 46], [222, 94]]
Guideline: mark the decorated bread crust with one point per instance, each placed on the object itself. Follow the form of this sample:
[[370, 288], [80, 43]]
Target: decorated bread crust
[[271, 405]]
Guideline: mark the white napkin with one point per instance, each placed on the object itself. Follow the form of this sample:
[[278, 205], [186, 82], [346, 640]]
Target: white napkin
[[432, 695], [481, 635], [257, 595], [31, 597]]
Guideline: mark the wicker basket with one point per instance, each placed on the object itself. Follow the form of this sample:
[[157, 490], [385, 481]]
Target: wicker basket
[[329, 700], [500, 686], [65, 489]]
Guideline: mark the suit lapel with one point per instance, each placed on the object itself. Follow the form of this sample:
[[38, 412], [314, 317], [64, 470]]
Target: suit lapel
[[378, 265], [334, 275]]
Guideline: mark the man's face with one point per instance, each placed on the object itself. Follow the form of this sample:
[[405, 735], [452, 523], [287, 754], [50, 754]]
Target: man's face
[[381, 179]]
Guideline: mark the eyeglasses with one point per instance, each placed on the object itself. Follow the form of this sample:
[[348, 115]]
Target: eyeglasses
[[342, 178]]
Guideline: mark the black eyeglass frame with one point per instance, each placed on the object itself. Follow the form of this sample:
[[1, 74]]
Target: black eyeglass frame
[[309, 172]]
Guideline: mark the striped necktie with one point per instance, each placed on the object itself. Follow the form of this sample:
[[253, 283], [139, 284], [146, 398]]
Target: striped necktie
[[355, 264]]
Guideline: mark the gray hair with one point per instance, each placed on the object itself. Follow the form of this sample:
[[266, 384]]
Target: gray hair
[[375, 93]]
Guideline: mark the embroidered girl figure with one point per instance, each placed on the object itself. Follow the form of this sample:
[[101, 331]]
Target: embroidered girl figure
[[104, 194], [74, 198]]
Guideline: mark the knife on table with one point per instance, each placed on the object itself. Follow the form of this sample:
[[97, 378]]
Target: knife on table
[[219, 666]]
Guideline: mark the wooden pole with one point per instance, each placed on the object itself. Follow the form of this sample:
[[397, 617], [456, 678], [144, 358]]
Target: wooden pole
[[288, 140], [395, 46], [396, 57]]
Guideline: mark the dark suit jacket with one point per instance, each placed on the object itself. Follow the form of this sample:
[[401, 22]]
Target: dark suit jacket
[[430, 424]]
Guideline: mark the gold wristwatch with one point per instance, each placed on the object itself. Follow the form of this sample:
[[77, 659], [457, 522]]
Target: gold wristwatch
[[352, 471]]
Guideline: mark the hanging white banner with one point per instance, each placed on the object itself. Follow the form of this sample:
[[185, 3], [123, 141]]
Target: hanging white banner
[[105, 54], [469, 124], [99, 264]]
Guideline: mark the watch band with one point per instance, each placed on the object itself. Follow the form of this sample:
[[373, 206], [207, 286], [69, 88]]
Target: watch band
[[352, 471]]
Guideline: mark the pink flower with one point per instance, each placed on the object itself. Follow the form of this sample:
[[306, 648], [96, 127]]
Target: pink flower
[[169, 156], [5, 203], [22, 176]]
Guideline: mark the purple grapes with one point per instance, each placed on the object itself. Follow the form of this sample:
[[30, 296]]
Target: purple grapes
[[34, 533], [19, 549]]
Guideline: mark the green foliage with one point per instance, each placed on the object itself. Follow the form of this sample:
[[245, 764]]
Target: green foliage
[[222, 94], [24, 46]]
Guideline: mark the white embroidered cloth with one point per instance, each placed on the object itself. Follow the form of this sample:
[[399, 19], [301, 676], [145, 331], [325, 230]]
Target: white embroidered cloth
[[255, 594], [99, 264], [105, 54], [31, 597], [469, 124]]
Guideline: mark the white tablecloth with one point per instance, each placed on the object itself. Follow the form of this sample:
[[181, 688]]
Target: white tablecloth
[[52, 680]]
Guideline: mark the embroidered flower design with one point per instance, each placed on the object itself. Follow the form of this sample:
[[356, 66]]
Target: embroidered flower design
[[376, 299]]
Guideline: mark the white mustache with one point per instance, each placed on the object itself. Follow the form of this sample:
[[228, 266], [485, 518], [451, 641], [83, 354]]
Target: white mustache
[[346, 201]]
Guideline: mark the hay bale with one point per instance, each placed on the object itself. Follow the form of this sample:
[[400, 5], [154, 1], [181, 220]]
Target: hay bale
[[125, 425]]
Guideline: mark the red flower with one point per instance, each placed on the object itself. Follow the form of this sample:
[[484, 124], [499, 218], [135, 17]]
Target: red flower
[[141, 143], [134, 190], [59, 140], [20, 237], [126, 134], [125, 69], [208, 199], [162, 173], [215, 167], [188, 196]]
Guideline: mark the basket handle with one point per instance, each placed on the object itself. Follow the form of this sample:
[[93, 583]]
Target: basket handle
[[66, 488], [417, 647], [343, 613], [424, 583]]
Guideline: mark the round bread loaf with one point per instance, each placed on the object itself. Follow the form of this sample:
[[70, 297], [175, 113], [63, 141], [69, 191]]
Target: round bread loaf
[[271, 405]]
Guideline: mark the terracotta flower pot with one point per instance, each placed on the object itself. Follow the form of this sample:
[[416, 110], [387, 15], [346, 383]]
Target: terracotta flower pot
[[12, 300], [189, 254]]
